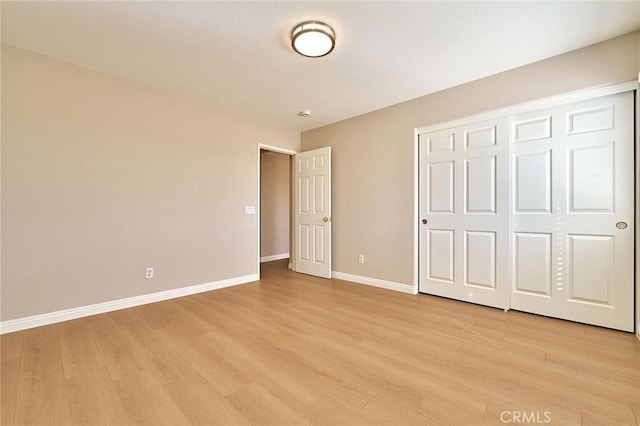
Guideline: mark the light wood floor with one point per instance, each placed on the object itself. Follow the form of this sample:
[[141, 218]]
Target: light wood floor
[[293, 349]]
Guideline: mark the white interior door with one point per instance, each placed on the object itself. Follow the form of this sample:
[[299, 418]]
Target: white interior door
[[464, 213], [312, 218], [572, 211]]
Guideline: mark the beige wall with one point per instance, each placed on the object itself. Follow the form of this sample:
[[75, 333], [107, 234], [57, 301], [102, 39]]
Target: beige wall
[[373, 170], [275, 180], [102, 177]]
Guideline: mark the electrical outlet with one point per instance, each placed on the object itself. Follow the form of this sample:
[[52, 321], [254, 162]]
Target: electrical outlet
[[148, 273], [361, 258]]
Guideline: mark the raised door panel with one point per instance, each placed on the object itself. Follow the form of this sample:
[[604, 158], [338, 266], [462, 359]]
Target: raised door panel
[[441, 246], [532, 129], [480, 259], [590, 120], [441, 143], [533, 182], [319, 161], [319, 196], [304, 195], [532, 263], [591, 179], [304, 243], [480, 185], [318, 239], [591, 268], [480, 137], [441, 187]]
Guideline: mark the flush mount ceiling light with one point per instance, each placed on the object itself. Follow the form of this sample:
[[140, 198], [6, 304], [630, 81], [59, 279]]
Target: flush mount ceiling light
[[313, 39]]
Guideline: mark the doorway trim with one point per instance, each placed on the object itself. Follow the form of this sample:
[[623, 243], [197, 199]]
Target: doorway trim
[[637, 204], [279, 150]]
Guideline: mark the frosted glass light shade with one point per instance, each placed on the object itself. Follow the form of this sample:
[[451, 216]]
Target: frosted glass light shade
[[313, 39]]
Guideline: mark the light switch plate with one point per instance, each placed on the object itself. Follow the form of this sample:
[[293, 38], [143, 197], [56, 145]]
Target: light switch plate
[[249, 209]]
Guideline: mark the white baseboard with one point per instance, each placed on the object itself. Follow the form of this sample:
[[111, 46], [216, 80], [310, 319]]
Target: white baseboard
[[114, 305], [274, 257], [389, 285]]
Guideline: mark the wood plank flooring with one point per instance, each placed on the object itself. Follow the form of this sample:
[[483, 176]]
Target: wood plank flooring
[[294, 350]]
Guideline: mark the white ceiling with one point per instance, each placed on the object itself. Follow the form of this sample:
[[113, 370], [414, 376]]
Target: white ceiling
[[236, 55]]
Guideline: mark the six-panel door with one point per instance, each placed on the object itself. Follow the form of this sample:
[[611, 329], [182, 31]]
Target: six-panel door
[[572, 211], [312, 205], [463, 247]]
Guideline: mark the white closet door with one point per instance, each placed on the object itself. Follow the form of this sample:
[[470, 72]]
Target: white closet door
[[572, 211], [464, 213]]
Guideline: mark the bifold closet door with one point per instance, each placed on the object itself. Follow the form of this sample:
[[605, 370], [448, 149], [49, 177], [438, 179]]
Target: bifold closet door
[[464, 213], [572, 222]]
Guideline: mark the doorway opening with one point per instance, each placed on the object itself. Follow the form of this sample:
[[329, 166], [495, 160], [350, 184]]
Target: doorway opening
[[275, 205]]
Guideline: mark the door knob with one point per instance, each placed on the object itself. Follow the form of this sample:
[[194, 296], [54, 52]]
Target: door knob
[[326, 219], [424, 221], [621, 225]]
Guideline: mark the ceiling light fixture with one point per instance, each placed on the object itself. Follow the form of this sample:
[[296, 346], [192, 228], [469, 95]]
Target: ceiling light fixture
[[313, 39]]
